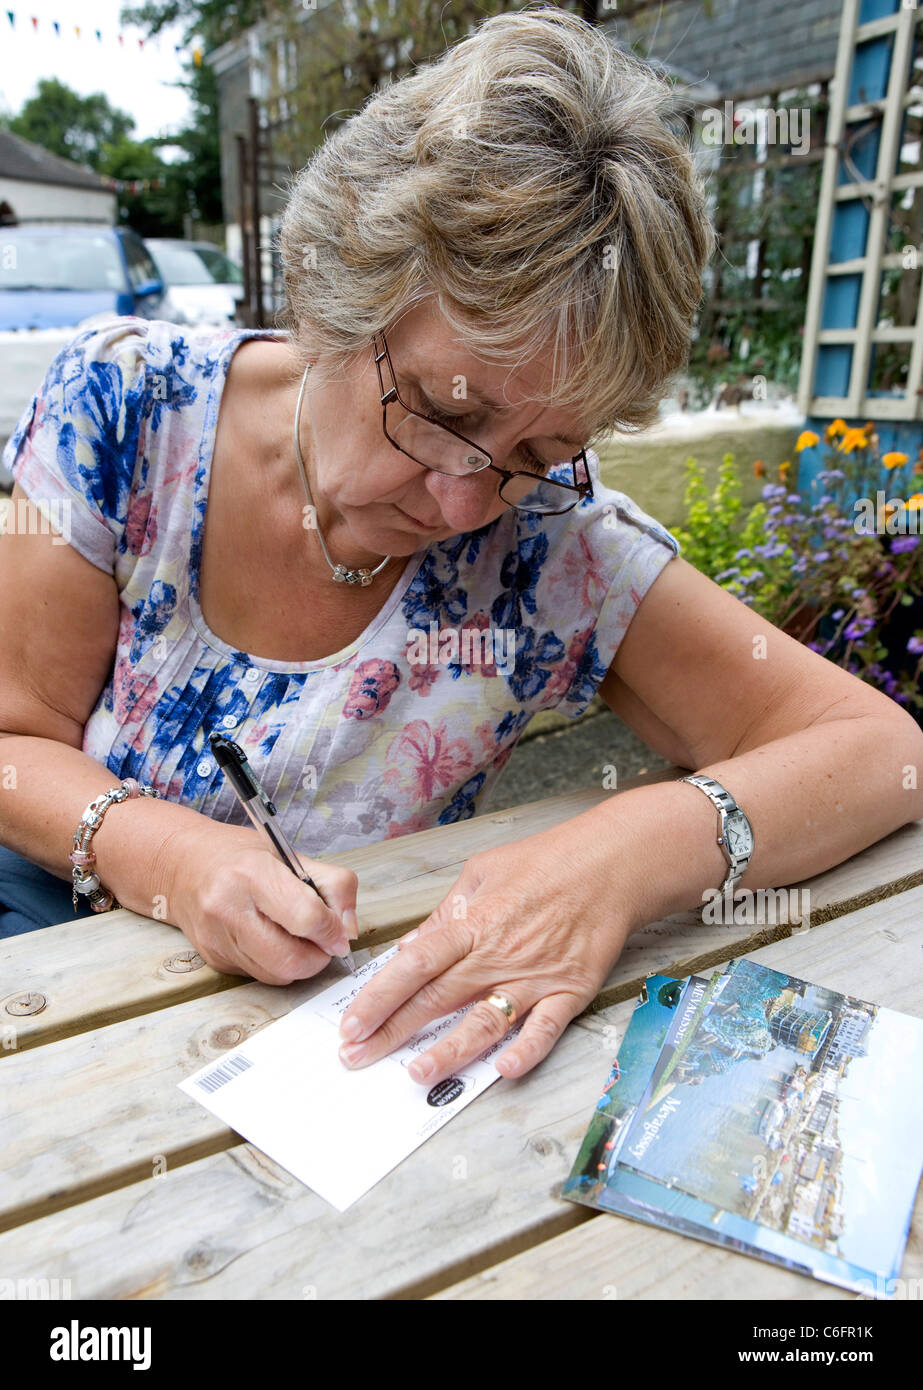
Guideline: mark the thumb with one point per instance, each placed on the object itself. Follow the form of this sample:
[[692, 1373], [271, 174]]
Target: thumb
[[337, 888]]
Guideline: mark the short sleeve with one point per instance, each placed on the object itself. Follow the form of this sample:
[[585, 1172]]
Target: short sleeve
[[611, 558], [75, 448]]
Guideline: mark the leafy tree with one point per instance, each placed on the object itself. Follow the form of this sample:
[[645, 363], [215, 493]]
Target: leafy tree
[[154, 211], [196, 179], [67, 124]]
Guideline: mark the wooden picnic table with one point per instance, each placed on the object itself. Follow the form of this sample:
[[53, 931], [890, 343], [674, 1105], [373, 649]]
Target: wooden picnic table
[[114, 1180]]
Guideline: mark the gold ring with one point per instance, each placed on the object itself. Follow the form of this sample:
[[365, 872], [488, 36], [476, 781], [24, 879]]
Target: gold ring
[[505, 1005]]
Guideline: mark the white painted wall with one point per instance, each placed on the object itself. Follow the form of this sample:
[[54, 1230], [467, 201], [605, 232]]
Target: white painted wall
[[48, 202]]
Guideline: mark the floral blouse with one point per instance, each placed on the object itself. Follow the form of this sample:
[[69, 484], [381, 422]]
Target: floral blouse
[[409, 725]]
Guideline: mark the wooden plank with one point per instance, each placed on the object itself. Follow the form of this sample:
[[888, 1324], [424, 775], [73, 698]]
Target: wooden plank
[[111, 967], [114, 967], [99, 1110], [234, 1225]]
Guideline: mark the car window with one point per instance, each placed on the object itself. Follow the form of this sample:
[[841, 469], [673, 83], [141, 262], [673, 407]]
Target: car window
[[141, 268], [223, 269], [180, 265], [60, 261], [186, 264]]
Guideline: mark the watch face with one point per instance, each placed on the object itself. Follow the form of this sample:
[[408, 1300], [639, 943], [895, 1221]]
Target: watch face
[[737, 834]]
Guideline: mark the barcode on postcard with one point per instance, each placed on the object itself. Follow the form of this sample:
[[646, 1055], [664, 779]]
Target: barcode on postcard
[[226, 1072]]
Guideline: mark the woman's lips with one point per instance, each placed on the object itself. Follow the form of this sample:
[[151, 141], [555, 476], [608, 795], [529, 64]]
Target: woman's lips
[[420, 525]]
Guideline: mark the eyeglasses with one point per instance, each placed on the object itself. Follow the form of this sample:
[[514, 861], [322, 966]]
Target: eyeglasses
[[444, 450]]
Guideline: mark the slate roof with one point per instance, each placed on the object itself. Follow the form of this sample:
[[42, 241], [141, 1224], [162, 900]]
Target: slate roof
[[21, 159]]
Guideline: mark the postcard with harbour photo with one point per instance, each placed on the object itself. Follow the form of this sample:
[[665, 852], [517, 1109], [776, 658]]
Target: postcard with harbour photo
[[778, 1121]]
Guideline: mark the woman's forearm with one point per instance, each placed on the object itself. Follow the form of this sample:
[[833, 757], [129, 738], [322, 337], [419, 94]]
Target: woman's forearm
[[813, 798], [45, 786]]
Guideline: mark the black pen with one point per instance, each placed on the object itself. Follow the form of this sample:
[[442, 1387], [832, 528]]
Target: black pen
[[232, 760]]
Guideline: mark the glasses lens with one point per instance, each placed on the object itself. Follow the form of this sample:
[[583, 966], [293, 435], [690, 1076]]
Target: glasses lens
[[533, 494], [437, 448]]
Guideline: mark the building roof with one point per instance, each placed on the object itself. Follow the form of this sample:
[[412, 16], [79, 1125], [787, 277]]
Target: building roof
[[21, 159]]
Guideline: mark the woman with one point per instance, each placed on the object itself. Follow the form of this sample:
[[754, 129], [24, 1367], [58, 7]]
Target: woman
[[266, 536]]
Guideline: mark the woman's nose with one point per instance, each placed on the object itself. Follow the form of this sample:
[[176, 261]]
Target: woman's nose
[[465, 502]]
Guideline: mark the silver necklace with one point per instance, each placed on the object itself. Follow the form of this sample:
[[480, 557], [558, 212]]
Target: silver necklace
[[342, 574]]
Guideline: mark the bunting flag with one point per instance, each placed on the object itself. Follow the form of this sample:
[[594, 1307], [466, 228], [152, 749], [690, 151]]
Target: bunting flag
[[132, 186], [143, 45]]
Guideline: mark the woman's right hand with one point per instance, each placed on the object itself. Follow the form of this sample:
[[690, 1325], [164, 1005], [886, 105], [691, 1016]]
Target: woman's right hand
[[246, 913]]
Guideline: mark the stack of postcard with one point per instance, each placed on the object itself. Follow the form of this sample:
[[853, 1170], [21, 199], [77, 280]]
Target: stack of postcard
[[767, 1115]]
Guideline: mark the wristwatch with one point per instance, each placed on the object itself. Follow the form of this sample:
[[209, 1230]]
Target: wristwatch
[[735, 833]]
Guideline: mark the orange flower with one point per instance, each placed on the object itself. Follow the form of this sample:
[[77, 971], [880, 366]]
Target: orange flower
[[759, 468], [835, 428], [853, 439], [915, 502], [894, 460], [783, 468], [806, 440]]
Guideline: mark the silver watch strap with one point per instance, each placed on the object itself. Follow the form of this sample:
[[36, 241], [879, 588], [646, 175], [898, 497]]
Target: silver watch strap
[[724, 802]]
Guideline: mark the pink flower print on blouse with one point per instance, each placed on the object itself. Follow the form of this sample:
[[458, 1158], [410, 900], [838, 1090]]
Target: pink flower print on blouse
[[559, 681], [371, 688], [580, 571], [422, 761], [423, 675], [407, 827], [141, 525], [480, 622]]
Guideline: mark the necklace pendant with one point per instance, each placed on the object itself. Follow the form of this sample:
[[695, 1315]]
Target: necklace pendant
[[343, 575]]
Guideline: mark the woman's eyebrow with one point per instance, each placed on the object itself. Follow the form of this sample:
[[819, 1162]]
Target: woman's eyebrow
[[503, 407]]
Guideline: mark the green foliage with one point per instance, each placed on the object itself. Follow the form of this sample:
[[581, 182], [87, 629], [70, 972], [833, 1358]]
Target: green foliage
[[804, 564], [70, 125]]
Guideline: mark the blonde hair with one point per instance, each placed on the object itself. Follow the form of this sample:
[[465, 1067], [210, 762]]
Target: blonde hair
[[531, 180]]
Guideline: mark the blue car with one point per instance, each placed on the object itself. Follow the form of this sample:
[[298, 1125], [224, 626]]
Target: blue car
[[57, 275]]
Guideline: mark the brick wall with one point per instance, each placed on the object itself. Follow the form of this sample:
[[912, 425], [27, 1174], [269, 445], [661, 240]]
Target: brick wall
[[743, 45]]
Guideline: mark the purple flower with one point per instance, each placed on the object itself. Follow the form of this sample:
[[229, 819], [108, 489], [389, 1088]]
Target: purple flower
[[900, 544], [915, 646], [858, 628], [836, 616], [822, 555]]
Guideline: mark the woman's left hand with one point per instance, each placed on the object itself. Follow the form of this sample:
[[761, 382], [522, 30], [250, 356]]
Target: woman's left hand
[[538, 921]]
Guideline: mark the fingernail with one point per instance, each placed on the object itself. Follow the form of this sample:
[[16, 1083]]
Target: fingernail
[[351, 1028], [409, 935], [350, 922], [352, 1052], [422, 1068], [341, 947]]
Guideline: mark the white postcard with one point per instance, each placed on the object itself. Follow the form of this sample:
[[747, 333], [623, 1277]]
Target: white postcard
[[336, 1130]]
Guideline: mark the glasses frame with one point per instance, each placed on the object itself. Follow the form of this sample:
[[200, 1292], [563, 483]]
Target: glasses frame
[[391, 394]]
